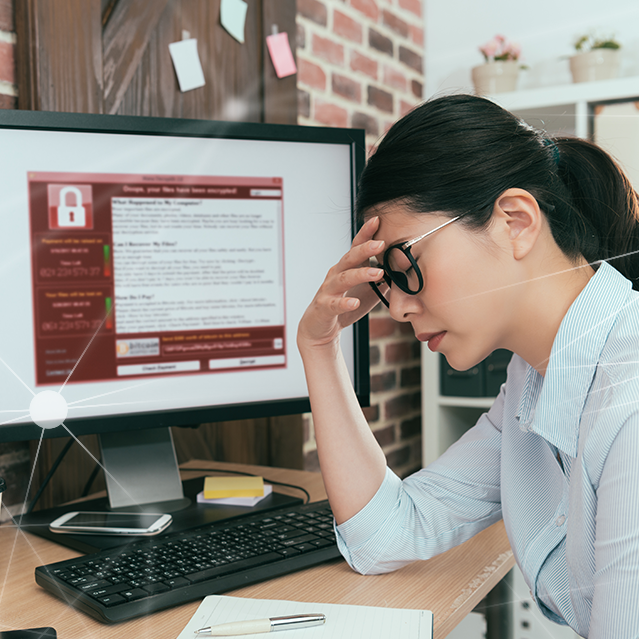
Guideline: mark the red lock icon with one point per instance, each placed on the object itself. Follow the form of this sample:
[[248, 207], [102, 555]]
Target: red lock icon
[[71, 215], [70, 206]]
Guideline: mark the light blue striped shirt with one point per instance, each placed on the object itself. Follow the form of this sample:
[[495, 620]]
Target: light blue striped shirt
[[574, 526]]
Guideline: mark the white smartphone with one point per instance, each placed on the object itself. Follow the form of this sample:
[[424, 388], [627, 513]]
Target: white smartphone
[[107, 523]]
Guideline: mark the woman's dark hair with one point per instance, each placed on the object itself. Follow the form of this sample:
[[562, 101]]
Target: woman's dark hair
[[457, 154]]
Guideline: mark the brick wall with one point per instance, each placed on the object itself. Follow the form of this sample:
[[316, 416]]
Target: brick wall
[[360, 65], [8, 92], [359, 62]]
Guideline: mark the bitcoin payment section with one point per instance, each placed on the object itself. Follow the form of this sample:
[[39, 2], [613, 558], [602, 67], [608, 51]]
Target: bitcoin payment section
[[155, 275]]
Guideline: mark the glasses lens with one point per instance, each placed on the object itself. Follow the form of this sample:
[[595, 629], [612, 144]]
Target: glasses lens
[[402, 270]]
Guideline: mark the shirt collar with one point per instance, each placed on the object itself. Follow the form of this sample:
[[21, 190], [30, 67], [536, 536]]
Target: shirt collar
[[574, 356]]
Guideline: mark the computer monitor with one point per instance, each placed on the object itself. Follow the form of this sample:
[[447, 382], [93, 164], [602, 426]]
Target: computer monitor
[[153, 273]]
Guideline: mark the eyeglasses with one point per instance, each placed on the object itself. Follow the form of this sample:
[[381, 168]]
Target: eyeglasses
[[400, 267]]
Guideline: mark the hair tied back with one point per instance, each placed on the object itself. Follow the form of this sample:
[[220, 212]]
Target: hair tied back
[[551, 145]]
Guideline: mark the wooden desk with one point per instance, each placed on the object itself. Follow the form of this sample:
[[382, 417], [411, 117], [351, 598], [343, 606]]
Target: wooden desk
[[450, 585]]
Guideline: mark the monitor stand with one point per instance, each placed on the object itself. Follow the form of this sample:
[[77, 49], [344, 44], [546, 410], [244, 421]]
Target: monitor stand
[[141, 471], [133, 488]]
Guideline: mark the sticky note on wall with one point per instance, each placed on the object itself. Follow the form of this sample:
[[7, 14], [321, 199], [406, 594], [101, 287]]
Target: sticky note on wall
[[221, 487], [233, 17], [186, 62], [279, 49]]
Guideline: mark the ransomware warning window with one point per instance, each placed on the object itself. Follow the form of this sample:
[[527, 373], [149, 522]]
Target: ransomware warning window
[[155, 275]]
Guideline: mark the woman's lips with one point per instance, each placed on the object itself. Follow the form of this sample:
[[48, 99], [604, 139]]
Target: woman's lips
[[433, 339]]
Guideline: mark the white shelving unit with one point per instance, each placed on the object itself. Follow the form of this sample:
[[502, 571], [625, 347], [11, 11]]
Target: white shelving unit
[[572, 101], [562, 109]]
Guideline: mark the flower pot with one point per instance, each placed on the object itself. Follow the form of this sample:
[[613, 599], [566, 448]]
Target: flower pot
[[598, 64], [495, 77]]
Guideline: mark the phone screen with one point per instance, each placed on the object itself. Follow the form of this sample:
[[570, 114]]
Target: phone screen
[[113, 520]]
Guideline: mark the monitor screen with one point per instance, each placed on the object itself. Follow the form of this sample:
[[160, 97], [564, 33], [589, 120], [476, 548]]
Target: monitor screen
[[154, 271]]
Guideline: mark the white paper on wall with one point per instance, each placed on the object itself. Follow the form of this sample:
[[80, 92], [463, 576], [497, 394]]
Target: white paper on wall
[[186, 62]]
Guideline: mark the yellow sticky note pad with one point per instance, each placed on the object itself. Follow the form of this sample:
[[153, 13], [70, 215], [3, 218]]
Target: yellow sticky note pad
[[221, 487]]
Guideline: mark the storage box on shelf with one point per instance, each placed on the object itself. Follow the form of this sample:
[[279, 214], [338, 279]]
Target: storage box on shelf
[[483, 380]]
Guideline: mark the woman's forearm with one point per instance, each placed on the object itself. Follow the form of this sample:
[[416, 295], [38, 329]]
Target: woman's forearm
[[352, 462]]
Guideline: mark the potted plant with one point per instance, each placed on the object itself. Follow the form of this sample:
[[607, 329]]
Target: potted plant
[[500, 70], [597, 58]]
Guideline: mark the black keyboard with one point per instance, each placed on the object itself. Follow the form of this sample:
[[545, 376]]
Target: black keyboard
[[145, 576]]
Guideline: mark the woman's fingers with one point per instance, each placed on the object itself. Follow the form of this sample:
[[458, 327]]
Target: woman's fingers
[[340, 282], [357, 259], [345, 295], [346, 285], [362, 250], [366, 233], [361, 253]]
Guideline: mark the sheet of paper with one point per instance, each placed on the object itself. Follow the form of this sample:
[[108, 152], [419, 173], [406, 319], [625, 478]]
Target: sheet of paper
[[279, 49], [186, 62], [342, 622], [233, 17]]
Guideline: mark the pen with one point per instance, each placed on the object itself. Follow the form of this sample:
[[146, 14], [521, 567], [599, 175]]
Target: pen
[[263, 625]]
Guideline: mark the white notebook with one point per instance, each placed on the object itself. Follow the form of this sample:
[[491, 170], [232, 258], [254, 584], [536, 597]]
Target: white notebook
[[342, 622]]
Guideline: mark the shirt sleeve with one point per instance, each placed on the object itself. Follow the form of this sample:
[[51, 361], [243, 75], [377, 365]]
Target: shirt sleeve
[[433, 510], [615, 612]]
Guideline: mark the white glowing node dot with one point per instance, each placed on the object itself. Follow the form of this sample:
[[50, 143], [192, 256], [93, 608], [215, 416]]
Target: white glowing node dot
[[48, 409]]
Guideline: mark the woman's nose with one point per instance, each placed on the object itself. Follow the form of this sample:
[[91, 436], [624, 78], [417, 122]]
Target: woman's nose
[[402, 305]]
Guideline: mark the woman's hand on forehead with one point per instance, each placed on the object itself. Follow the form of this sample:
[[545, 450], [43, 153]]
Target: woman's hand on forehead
[[345, 296]]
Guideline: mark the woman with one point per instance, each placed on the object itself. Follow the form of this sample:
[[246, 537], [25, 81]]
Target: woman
[[491, 235]]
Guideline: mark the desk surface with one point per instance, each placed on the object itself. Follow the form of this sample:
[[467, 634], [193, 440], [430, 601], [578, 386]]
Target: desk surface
[[450, 585]]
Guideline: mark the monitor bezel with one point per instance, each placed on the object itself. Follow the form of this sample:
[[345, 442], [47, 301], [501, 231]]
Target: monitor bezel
[[176, 127]]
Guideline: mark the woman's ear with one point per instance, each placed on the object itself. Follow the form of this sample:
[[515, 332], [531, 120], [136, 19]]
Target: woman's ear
[[517, 213]]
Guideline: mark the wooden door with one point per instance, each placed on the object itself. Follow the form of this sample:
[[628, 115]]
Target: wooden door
[[112, 57]]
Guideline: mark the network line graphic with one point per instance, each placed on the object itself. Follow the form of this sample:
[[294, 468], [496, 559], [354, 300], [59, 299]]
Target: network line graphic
[[48, 409]]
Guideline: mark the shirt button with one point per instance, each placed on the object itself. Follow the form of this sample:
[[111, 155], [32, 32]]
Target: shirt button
[[560, 520]]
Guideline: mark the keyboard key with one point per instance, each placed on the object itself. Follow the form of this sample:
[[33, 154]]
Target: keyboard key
[[289, 534], [305, 547], [177, 582], [111, 600], [93, 585], [289, 552], [134, 593], [322, 543], [298, 540], [155, 588], [85, 579], [233, 567], [64, 575], [108, 590]]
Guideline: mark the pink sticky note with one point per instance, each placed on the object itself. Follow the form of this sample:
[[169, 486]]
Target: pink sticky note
[[281, 55]]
